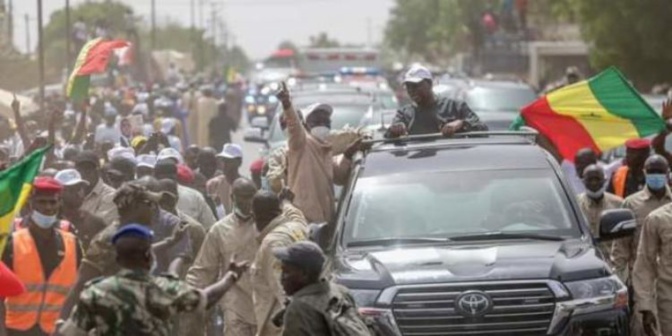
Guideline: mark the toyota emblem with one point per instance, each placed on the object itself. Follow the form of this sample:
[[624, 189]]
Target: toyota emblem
[[473, 304]]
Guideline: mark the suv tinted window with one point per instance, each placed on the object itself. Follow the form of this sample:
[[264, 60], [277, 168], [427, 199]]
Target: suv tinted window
[[499, 99], [445, 204]]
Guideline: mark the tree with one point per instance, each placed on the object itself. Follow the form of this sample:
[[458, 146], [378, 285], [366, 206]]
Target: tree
[[322, 40], [633, 35]]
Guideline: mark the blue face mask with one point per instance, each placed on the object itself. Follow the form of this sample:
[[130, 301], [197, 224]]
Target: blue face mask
[[43, 221], [656, 181], [264, 184]]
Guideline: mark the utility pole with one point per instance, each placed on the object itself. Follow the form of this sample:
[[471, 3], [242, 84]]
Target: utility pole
[[27, 22], [213, 25], [193, 28], [153, 36], [40, 46], [68, 55]]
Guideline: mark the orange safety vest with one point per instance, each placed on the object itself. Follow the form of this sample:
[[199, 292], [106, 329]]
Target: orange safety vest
[[42, 301], [618, 181]]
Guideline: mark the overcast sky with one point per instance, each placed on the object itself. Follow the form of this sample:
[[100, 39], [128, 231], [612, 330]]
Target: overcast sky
[[258, 25]]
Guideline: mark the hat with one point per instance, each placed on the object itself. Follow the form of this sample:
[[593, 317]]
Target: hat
[[87, 156], [138, 141], [124, 152], [47, 185], [165, 167], [170, 153], [257, 166], [417, 74], [167, 125], [184, 174], [305, 254], [122, 165], [146, 160], [318, 107], [109, 111], [231, 151], [69, 177], [133, 230], [638, 144], [131, 193]]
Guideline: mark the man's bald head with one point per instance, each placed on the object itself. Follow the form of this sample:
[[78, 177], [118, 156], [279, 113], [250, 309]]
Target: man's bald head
[[266, 207], [656, 164], [583, 158], [244, 187]]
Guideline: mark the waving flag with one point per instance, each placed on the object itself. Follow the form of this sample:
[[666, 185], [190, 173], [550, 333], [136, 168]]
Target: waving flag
[[92, 59], [15, 186], [601, 113]]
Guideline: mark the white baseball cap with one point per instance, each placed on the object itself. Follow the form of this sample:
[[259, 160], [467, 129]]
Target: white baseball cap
[[125, 152], [318, 107], [231, 151], [147, 160], [170, 153], [69, 177], [417, 74]]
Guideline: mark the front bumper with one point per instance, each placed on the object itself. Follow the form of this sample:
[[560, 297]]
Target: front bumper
[[604, 323]]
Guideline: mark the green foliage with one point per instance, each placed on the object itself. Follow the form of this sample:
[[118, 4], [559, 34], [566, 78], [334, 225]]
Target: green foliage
[[632, 35]]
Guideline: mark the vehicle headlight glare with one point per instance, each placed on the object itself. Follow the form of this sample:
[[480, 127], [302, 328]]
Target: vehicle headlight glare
[[593, 288]]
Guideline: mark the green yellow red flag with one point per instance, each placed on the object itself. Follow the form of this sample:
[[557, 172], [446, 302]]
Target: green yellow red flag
[[93, 58], [601, 113], [16, 184]]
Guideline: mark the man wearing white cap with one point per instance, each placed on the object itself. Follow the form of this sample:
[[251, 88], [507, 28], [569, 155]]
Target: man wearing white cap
[[219, 187], [431, 114], [312, 168], [85, 224], [170, 153], [145, 167]]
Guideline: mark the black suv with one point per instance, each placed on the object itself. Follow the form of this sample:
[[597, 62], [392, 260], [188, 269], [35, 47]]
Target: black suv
[[476, 235]]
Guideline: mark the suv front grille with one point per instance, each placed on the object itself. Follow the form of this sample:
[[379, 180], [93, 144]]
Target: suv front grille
[[520, 309]]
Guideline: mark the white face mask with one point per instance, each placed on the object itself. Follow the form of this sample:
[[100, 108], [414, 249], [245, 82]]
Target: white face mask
[[597, 194], [320, 132], [42, 220]]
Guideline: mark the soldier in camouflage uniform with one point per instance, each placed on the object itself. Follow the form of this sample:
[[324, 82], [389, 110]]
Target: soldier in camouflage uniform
[[318, 307], [133, 302]]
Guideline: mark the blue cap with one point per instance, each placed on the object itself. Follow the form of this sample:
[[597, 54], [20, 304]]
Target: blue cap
[[133, 230]]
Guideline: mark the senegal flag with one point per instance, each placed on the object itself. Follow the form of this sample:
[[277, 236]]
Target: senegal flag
[[15, 186], [601, 113], [93, 58]]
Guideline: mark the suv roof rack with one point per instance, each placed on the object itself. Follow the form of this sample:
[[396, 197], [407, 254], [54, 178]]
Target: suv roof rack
[[529, 134]]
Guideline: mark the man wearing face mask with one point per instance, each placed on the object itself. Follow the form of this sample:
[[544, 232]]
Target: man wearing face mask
[[235, 235], [219, 187], [655, 195], [595, 200], [45, 259], [312, 168]]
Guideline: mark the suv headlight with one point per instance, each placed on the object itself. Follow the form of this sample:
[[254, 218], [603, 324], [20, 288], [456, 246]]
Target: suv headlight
[[365, 297], [589, 296]]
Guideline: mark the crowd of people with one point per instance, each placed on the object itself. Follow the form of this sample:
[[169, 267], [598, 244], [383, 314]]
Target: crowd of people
[[143, 222]]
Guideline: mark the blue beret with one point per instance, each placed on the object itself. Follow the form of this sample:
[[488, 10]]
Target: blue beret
[[133, 230]]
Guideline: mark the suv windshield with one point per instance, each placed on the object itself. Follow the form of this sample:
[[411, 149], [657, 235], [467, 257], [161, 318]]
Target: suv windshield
[[499, 99], [450, 204]]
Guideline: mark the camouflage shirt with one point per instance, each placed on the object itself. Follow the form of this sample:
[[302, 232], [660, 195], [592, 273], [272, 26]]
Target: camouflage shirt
[[132, 303]]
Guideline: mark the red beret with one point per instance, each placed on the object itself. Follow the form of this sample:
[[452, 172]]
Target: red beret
[[46, 184], [638, 144], [257, 166], [184, 174]]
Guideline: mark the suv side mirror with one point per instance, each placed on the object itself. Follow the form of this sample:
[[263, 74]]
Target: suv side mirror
[[616, 223]]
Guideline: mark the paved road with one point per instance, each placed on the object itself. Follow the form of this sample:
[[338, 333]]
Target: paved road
[[250, 150]]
